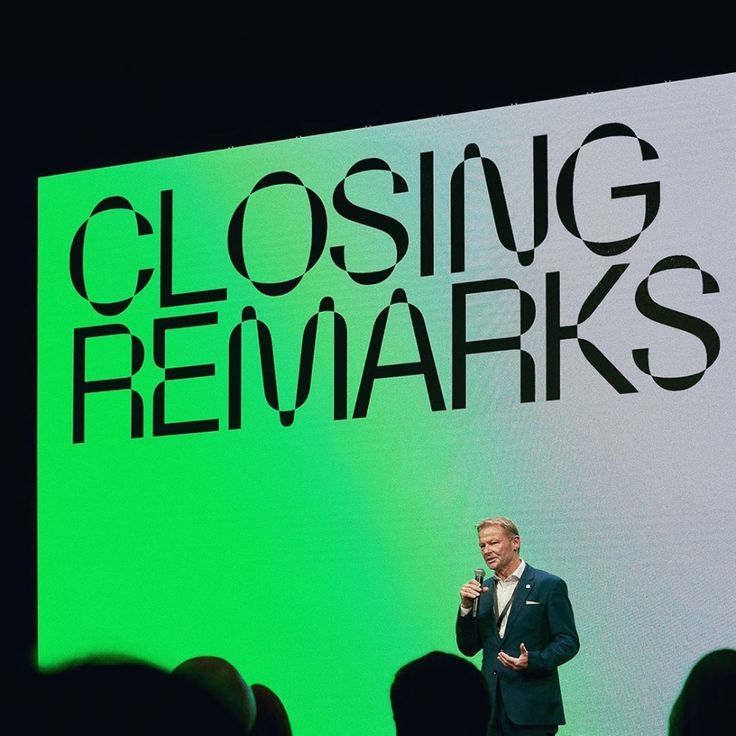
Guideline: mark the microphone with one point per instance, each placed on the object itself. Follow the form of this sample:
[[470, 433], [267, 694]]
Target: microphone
[[479, 575]]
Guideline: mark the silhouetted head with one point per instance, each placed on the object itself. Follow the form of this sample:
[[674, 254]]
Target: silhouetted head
[[271, 716], [440, 693], [707, 701], [105, 695], [223, 680]]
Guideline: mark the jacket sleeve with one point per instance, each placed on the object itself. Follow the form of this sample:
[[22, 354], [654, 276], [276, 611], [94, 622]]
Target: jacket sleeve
[[466, 634], [564, 642]]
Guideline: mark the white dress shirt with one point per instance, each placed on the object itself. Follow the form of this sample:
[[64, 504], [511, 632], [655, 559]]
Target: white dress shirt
[[504, 590]]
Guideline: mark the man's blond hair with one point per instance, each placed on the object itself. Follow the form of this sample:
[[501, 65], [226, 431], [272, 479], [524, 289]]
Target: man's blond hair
[[505, 523]]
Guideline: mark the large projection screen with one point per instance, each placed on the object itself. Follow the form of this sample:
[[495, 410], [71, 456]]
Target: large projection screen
[[279, 384]]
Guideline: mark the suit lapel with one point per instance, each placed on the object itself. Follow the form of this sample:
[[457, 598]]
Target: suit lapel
[[523, 588]]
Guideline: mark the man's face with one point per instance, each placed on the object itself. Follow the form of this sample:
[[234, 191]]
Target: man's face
[[498, 550]]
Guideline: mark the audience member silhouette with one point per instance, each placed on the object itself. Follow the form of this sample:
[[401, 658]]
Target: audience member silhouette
[[706, 704], [224, 682], [271, 716], [440, 693], [108, 696]]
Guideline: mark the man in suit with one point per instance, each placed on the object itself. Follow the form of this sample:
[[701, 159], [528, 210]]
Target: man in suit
[[525, 626]]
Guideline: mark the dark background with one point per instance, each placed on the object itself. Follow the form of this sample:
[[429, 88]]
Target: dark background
[[54, 127]]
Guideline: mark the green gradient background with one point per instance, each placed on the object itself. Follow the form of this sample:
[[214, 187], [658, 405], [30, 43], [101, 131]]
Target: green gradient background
[[319, 558]]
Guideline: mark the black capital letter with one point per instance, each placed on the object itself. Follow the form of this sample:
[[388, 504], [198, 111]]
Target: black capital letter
[[351, 211], [317, 244], [168, 297], [649, 190], [498, 205], [425, 366], [426, 213], [160, 327], [82, 386], [306, 365], [76, 257], [672, 318], [462, 347], [556, 333]]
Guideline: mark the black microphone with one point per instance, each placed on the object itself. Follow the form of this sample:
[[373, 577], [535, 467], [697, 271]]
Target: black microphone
[[479, 575]]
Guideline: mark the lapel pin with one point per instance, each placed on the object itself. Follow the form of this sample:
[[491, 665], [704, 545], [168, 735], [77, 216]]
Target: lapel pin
[[528, 585]]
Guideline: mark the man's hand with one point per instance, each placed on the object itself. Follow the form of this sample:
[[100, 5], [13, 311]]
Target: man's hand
[[515, 663], [469, 592]]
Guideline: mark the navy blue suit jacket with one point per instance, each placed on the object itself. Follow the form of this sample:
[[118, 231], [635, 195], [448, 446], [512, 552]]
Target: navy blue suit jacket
[[541, 617]]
